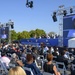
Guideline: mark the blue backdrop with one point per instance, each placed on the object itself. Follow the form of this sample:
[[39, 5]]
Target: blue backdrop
[[48, 42]]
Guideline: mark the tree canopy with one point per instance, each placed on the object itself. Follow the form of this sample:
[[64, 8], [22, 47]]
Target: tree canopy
[[26, 35]]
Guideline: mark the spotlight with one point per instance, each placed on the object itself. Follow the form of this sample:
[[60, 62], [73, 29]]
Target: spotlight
[[12, 26], [71, 10], [64, 12], [54, 17], [29, 4]]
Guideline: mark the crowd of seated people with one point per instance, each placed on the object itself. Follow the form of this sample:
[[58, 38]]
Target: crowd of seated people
[[26, 55], [52, 36]]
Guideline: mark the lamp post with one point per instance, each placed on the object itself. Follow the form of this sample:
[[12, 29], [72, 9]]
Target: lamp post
[[10, 24], [0, 33]]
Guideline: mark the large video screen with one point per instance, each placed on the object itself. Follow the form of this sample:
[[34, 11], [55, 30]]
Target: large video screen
[[69, 22], [4, 32]]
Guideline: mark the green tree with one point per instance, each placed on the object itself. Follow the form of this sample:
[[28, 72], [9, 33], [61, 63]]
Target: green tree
[[13, 35], [25, 34], [32, 33], [19, 36], [51, 33], [40, 32]]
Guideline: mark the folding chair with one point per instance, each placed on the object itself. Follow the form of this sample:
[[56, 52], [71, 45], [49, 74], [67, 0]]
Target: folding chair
[[41, 57], [62, 69], [11, 65], [39, 66], [28, 69], [3, 68], [73, 66], [46, 73], [41, 60]]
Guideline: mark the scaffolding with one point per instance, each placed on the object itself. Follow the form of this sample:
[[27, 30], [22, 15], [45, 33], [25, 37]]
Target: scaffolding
[[9, 26], [60, 14]]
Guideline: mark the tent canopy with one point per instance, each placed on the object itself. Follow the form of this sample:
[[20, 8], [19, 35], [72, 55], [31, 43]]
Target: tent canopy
[[71, 43]]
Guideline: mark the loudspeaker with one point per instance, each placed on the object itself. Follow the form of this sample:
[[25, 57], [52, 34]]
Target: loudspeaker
[[54, 17], [12, 26]]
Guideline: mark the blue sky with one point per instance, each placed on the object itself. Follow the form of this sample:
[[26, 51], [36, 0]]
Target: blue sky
[[29, 19]]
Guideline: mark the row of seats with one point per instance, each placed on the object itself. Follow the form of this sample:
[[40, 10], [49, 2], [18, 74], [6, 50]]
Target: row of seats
[[62, 70], [29, 69]]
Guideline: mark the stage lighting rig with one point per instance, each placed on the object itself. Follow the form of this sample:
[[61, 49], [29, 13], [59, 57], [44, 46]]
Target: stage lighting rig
[[29, 4], [11, 23], [64, 12], [54, 17], [61, 12], [71, 10]]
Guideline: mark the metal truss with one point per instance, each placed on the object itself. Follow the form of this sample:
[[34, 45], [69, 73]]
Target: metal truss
[[60, 14]]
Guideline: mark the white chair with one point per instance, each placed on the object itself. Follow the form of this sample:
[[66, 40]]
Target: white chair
[[28, 69], [40, 59], [39, 66], [73, 66], [63, 69], [46, 73], [3, 68], [11, 65]]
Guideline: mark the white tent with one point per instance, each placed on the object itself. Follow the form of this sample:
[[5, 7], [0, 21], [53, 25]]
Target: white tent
[[71, 43]]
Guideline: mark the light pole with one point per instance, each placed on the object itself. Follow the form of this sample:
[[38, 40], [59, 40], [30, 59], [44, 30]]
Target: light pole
[[10, 25], [0, 33]]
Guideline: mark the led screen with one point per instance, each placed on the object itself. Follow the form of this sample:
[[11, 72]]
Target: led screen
[[4, 32], [71, 33], [68, 25], [69, 22]]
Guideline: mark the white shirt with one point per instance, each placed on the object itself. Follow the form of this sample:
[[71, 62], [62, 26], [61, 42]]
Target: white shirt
[[46, 49], [6, 60], [52, 49], [66, 56]]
